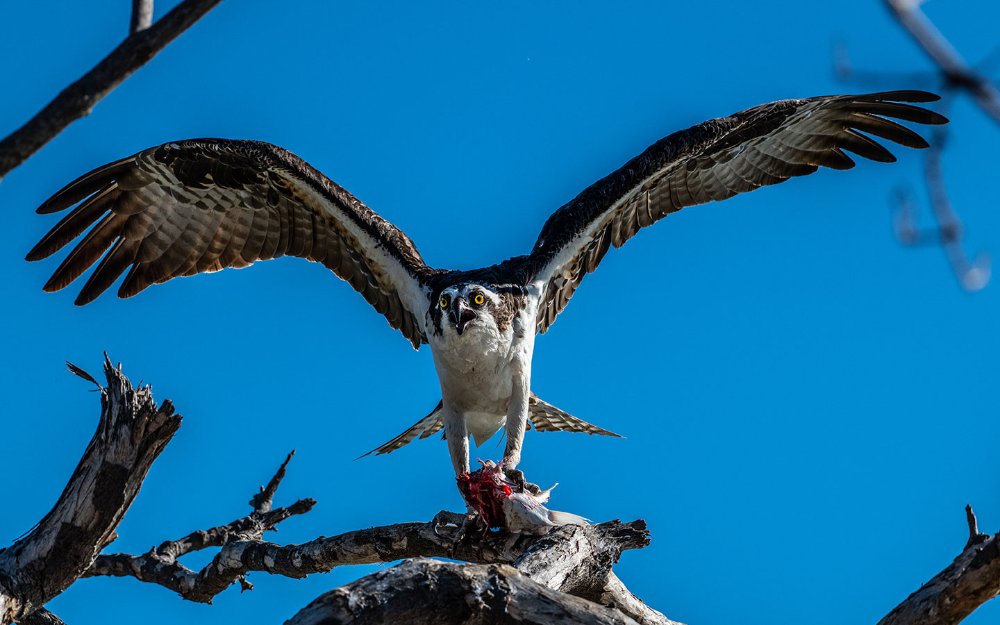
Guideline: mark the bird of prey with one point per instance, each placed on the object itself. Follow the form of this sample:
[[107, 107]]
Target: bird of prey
[[202, 205]]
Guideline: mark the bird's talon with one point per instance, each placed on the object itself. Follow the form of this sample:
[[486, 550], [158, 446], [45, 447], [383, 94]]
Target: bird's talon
[[517, 477]]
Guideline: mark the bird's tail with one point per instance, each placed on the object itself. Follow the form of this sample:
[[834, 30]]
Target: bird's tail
[[421, 429], [543, 416], [547, 418]]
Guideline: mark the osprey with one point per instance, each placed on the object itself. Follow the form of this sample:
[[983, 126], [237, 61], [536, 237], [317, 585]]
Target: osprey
[[202, 205]]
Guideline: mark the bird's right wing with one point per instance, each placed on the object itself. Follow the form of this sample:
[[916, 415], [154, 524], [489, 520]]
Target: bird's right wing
[[203, 205]]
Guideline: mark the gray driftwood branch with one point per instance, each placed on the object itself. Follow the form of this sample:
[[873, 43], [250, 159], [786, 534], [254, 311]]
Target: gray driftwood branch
[[466, 594], [573, 560], [146, 39], [563, 577], [971, 580], [131, 433]]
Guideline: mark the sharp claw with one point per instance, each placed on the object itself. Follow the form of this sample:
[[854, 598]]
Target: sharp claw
[[472, 521], [517, 477]]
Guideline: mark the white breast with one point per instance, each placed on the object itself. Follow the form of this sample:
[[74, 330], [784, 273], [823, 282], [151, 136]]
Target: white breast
[[476, 371]]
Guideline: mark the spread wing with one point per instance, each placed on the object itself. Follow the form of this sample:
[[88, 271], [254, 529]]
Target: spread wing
[[714, 160], [203, 205]]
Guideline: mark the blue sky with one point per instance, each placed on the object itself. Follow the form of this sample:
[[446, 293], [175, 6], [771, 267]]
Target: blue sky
[[807, 406]]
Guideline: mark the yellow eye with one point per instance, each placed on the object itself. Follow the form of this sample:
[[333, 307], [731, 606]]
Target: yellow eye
[[443, 301], [478, 299]]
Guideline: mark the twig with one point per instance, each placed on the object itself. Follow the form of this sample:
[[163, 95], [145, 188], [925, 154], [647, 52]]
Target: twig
[[956, 75], [241, 554], [262, 501], [131, 433], [975, 537], [971, 580], [78, 99], [972, 275]]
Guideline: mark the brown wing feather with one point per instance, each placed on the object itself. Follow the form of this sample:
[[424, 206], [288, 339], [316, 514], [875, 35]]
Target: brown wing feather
[[427, 426], [203, 205], [715, 160], [547, 418]]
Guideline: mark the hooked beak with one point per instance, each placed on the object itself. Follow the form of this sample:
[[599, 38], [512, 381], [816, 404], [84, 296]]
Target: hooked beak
[[461, 315]]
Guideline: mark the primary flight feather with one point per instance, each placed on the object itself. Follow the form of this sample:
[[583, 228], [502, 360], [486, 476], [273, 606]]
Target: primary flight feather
[[203, 205]]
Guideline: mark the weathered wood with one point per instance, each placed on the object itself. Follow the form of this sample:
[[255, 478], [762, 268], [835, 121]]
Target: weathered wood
[[430, 592], [78, 99], [131, 433], [558, 578], [971, 580], [616, 595], [242, 554]]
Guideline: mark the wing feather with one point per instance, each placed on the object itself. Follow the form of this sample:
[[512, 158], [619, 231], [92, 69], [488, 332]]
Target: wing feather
[[203, 205], [547, 418], [714, 160]]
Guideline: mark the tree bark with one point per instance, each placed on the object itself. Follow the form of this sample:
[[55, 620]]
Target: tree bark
[[429, 592], [971, 580], [131, 433]]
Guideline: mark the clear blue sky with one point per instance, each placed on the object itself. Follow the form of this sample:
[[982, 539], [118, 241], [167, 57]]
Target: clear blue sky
[[807, 410]]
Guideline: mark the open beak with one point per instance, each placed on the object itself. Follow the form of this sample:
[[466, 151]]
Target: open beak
[[462, 315]]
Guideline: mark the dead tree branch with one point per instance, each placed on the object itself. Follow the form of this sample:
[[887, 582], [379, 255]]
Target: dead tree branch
[[972, 275], [131, 433], [958, 74], [78, 99], [971, 580], [463, 594], [584, 554], [953, 75], [563, 577]]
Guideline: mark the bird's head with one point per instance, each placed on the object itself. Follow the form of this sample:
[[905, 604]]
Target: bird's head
[[465, 308]]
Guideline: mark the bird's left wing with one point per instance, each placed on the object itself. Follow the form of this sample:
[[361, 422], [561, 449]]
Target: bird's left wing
[[202, 205], [714, 160]]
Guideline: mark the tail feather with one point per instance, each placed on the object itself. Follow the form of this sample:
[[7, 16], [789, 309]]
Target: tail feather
[[547, 418], [423, 428], [543, 416]]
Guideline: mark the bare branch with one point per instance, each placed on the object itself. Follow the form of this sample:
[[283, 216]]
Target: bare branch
[[241, 554], [463, 595], [971, 580], [972, 275], [564, 576], [958, 73], [262, 501], [142, 16], [975, 537], [130, 435], [78, 99]]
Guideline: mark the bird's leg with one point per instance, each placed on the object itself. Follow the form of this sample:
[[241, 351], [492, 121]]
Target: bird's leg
[[458, 439], [517, 421], [458, 447]]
